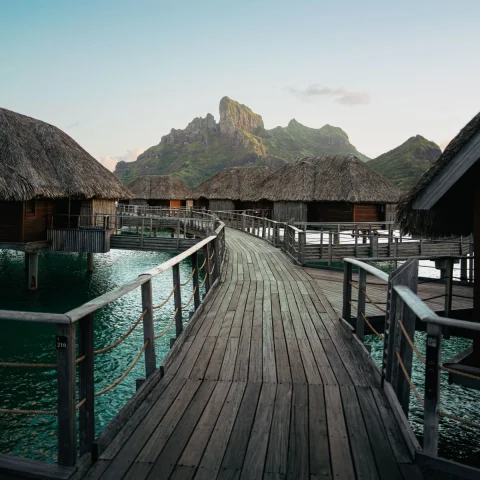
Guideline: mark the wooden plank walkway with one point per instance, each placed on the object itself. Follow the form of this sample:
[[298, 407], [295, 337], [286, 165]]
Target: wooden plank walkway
[[265, 384]]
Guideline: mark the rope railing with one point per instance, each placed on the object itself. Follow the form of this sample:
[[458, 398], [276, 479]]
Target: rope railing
[[190, 299], [212, 270], [127, 371], [156, 307], [50, 366], [18, 411], [167, 328], [189, 278], [211, 256], [123, 337], [204, 280], [203, 264]]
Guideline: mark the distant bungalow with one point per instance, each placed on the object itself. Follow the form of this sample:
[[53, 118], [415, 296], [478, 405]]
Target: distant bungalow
[[160, 191], [334, 188], [233, 188], [446, 201], [53, 194]]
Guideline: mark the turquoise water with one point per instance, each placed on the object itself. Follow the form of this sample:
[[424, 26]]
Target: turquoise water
[[456, 441], [63, 285]]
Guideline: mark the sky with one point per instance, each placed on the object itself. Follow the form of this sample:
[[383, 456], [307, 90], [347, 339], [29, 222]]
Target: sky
[[117, 75]]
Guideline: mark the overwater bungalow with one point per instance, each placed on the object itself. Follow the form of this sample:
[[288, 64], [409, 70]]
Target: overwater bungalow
[[334, 188], [160, 191], [446, 201], [53, 194], [233, 189]]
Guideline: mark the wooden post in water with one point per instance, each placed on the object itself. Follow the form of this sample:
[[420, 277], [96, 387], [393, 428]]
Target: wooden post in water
[[432, 389], [362, 286], [148, 328], [66, 374], [33, 270], [196, 283], [86, 384], [90, 263], [177, 297], [347, 291]]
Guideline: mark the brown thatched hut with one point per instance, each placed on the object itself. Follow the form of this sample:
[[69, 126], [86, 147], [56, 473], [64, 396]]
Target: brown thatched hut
[[160, 191], [446, 200], [233, 189], [50, 184], [334, 188]]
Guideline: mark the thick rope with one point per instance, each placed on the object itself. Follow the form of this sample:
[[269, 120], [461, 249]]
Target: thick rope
[[379, 335], [213, 269], [167, 328], [203, 264], [16, 411], [127, 371], [212, 255], [189, 279], [26, 365], [204, 280], [156, 307], [121, 339], [190, 300], [374, 303]]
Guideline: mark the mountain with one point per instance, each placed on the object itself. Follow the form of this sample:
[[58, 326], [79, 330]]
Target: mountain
[[404, 165], [205, 147]]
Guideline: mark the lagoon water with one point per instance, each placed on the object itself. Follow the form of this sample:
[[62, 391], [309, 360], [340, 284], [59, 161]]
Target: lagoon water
[[63, 285]]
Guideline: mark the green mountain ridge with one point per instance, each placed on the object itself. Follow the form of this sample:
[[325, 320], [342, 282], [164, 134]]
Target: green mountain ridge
[[405, 164], [205, 147]]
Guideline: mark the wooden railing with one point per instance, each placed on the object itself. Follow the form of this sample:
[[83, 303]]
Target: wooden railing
[[69, 362], [402, 309]]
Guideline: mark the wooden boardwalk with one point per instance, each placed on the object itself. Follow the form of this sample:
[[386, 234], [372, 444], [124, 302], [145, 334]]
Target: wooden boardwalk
[[265, 384]]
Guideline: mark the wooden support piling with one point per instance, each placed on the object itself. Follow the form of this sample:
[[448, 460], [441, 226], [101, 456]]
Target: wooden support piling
[[33, 270], [90, 262]]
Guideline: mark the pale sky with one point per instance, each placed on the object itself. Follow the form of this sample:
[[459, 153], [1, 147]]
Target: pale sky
[[116, 75]]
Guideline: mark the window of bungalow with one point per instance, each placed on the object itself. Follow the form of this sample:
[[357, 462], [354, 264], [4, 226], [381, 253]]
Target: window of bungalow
[[30, 208]]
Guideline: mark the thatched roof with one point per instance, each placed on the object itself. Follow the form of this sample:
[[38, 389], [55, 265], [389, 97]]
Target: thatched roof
[[332, 178], [39, 160], [441, 220], [159, 187], [236, 183]]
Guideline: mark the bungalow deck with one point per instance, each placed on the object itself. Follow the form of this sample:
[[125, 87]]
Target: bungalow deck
[[266, 383]]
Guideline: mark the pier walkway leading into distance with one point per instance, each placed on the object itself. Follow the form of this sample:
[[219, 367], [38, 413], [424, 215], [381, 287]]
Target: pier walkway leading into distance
[[265, 383]]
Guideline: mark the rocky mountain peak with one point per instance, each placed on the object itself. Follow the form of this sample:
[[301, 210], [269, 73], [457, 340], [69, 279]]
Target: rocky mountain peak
[[234, 117]]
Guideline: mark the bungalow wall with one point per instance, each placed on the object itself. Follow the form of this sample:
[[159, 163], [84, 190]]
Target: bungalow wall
[[11, 221], [286, 211], [335, 212], [38, 215], [369, 213], [221, 205], [138, 201], [91, 208]]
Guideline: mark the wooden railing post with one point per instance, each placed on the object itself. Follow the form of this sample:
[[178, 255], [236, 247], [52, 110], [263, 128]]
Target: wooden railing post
[[148, 329], [448, 286], [362, 285], [216, 257], [243, 222], [347, 291], [177, 298], [264, 224], [66, 373], [196, 283], [432, 389], [206, 254], [330, 253], [301, 247], [86, 384]]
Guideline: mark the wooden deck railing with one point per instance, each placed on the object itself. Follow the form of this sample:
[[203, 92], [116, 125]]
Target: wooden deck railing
[[402, 309], [70, 362]]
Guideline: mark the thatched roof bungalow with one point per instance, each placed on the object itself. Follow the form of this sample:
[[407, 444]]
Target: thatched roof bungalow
[[333, 188], [48, 181], [159, 191], [446, 201], [232, 189]]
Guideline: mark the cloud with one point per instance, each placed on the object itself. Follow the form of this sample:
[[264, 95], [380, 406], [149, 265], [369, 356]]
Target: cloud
[[110, 162], [73, 125], [339, 95]]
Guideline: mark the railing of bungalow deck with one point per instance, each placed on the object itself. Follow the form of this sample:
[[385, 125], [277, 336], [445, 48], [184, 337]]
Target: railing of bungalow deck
[[402, 308], [68, 360]]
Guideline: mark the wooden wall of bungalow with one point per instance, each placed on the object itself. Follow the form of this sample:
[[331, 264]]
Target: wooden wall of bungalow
[[153, 202], [28, 221], [335, 212]]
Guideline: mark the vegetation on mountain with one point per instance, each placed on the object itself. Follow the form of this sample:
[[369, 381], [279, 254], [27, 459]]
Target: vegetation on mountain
[[404, 165], [205, 147]]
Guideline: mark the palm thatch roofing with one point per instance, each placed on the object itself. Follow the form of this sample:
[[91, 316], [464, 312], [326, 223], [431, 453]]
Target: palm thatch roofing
[[236, 183], [159, 187], [331, 178], [446, 217], [38, 160]]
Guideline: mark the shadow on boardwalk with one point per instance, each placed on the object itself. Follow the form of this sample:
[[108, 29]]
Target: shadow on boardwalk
[[265, 384]]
